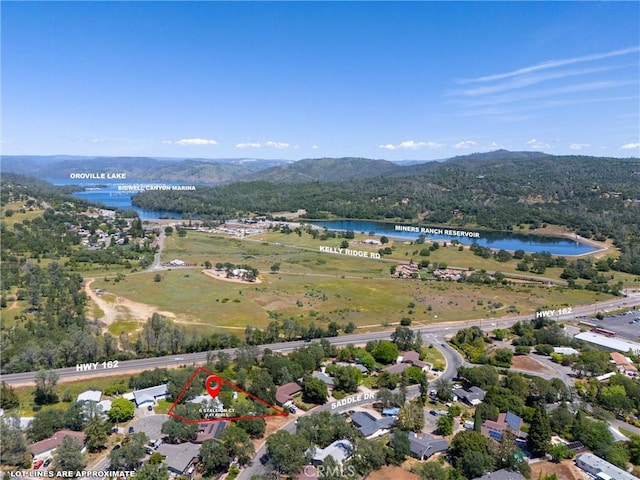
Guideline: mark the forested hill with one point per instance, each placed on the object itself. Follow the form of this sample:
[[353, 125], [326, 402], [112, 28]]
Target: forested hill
[[597, 197], [326, 170]]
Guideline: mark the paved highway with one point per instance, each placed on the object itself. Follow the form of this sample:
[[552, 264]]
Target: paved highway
[[437, 330]]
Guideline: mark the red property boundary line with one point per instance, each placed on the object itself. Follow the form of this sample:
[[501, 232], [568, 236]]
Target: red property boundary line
[[281, 413]]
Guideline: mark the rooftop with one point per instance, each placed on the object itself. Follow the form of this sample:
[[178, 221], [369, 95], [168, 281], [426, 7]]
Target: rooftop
[[285, 392], [596, 465], [425, 445], [179, 457], [607, 342], [54, 441], [504, 474], [90, 396], [340, 450]]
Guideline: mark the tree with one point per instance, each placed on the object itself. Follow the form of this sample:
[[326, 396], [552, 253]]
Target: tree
[[8, 397], [14, 447], [68, 456], [314, 391], [403, 337], [45, 423], [46, 381], [344, 244], [207, 265], [385, 352], [411, 416], [424, 387], [287, 451], [237, 443], [559, 452], [384, 240], [178, 431], [130, 453], [152, 471], [445, 425], [121, 410], [262, 386], [400, 446], [539, 438], [97, 432], [157, 278], [469, 453], [74, 415], [275, 268], [369, 455], [444, 389], [347, 379]]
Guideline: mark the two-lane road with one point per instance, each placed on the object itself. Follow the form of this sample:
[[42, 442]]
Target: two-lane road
[[437, 329]]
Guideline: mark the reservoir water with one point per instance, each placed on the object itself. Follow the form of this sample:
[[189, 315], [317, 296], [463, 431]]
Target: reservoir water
[[111, 196], [107, 193], [491, 239]]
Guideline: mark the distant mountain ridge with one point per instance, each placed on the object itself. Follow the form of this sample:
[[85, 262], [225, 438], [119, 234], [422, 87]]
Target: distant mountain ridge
[[230, 170]]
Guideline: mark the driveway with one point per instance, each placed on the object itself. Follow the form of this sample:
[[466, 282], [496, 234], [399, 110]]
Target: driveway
[[150, 424]]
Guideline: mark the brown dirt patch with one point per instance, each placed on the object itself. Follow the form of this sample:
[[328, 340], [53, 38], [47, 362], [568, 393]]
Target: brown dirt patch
[[522, 362], [565, 470], [392, 473]]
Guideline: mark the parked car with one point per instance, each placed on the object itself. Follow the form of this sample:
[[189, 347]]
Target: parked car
[[150, 408], [38, 463], [131, 430], [47, 462]]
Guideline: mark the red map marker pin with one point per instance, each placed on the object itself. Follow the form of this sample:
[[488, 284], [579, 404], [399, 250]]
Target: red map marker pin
[[215, 388]]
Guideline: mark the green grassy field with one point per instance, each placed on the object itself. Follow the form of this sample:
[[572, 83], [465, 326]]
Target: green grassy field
[[319, 287]]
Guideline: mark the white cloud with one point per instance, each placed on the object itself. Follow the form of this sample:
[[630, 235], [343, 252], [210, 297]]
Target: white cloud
[[269, 144], [630, 146], [579, 146], [411, 145], [315, 147], [167, 142], [196, 141], [495, 146], [533, 143], [552, 64], [464, 144]]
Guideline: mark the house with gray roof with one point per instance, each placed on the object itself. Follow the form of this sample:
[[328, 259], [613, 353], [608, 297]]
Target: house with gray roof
[[180, 459], [504, 474], [371, 427], [324, 377], [424, 445], [473, 397], [601, 469], [90, 396], [340, 450], [151, 394]]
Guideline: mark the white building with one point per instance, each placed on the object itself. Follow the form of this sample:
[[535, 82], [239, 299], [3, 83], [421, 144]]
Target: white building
[[609, 343], [601, 469]]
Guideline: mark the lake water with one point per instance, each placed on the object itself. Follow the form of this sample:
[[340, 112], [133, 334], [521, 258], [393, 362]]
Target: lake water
[[490, 239], [111, 196]]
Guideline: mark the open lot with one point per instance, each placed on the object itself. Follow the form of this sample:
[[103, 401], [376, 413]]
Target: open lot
[[309, 286]]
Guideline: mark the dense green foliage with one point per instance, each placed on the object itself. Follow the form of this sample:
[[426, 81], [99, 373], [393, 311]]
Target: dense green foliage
[[597, 197]]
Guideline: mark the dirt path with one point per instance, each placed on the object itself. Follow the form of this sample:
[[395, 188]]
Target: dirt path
[[14, 305], [122, 308]]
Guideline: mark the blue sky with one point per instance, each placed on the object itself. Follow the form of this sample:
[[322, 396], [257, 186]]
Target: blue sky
[[415, 80]]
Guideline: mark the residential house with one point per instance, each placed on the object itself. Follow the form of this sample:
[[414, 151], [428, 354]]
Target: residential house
[[390, 412], [473, 397], [601, 469], [180, 459], [150, 395], [624, 364], [44, 448], [285, 393], [90, 396], [413, 358], [506, 421], [371, 427], [324, 377], [424, 445], [396, 368], [211, 430], [504, 474], [340, 450]]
